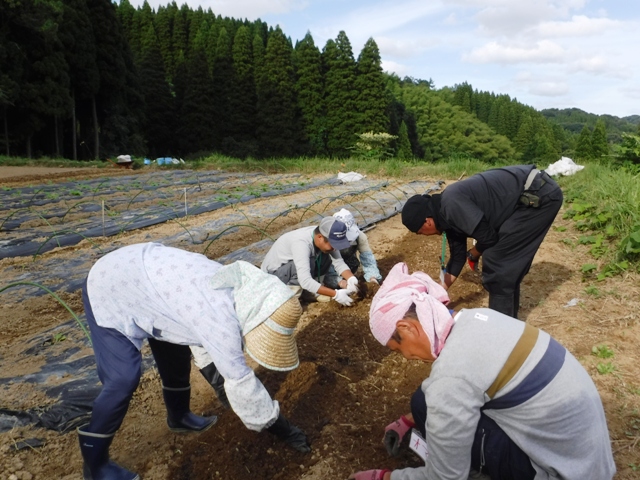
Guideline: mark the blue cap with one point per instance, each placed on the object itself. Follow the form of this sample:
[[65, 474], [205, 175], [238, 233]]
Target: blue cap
[[335, 231]]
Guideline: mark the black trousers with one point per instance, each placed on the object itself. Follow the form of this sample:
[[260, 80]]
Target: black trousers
[[505, 264], [350, 257], [493, 452]]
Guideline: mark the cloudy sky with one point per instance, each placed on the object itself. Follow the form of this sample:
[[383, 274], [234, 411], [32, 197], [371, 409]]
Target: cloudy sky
[[545, 53]]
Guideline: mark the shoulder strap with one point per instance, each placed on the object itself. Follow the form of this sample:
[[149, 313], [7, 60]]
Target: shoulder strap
[[530, 178], [516, 359]]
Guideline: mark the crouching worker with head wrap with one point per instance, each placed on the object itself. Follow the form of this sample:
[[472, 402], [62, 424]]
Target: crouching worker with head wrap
[[174, 299], [503, 398]]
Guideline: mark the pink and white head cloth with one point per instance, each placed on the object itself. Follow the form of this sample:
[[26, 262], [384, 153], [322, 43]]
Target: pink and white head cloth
[[396, 295]]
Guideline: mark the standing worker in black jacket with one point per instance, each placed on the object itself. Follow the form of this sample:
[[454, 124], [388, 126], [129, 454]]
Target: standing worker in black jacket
[[508, 211]]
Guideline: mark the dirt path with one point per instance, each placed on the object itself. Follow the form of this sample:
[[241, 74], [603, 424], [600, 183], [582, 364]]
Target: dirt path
[[10, 175], [347, 387]]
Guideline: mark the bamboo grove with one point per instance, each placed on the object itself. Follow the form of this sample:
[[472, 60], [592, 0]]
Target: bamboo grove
[[87, 79]]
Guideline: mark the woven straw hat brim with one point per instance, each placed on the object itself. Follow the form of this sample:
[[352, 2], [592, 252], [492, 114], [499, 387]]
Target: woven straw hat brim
[[288, 314], [271, 349]]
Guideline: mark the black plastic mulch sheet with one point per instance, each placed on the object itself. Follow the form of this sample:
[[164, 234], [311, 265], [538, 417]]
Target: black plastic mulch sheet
[[380, 201], [68, 375], [207, 193]]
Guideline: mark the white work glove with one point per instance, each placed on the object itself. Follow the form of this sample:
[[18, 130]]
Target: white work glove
[[352, 285], [343, 298]]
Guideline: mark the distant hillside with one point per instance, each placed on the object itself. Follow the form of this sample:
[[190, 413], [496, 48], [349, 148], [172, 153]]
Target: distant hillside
[[574, 119]]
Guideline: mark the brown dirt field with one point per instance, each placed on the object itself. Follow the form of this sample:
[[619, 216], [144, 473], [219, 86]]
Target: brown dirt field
[[10, 175], [347, 387]]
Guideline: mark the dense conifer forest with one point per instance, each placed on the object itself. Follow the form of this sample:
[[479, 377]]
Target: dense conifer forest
[[85, 79]]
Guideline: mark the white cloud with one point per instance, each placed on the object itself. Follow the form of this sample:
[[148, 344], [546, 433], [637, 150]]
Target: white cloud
[[598, 65], [397, 68], [403, 48], [542, 84], [452, 19], [543, 51], [549, 89], [378, 18], [633, 92], [579, 25], [512, 19]]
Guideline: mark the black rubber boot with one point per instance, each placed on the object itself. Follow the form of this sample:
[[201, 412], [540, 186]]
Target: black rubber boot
[[211, 374], [291, 434], [95, 452], [179, 417], [502, 303]]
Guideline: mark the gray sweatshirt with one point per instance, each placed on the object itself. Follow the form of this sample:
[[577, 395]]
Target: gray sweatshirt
[[562, 428], [298, 246]]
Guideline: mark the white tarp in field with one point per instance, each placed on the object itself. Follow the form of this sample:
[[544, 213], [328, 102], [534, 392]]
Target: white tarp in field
[[564, 166], [350, 177]]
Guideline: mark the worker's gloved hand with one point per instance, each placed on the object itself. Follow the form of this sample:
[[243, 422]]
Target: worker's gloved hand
[[473, 265], [291, 434], [352, 285], [369, 475], [473, 261], [394, 433], [343, 298]]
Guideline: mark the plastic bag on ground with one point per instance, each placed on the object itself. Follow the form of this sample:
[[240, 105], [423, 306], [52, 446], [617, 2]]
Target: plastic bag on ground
[[564, 166], [123, 159], [350, 177]]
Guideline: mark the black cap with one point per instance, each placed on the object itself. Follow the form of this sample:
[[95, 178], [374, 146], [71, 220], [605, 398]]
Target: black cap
[[417, 209]]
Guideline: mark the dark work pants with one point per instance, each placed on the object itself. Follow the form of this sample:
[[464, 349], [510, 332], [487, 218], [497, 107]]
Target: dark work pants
[[119, 365], [505, 264], [288, 274], [350, 257], [493, 452]]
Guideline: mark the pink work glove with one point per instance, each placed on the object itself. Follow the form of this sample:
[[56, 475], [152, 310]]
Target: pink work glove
[[369, 475], [395, 432]]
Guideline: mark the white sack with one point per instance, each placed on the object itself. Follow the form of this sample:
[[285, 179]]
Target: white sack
[[564, 166], [349, 177]]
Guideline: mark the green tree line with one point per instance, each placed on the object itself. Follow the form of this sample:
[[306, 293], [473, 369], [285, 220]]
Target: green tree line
[[91, 79]]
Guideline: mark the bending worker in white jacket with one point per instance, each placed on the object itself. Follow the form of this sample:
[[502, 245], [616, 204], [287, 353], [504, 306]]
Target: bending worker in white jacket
[[174, 299], [503, 397]]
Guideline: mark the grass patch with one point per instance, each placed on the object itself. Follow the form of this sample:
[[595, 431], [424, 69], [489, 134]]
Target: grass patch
[[393, 167], [602, 351], [604, 203], [51, 162]]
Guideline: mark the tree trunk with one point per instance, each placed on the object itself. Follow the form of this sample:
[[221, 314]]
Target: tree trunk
[[6, 131], [96, 140], [29, 145], [73, 125], [57, 134]]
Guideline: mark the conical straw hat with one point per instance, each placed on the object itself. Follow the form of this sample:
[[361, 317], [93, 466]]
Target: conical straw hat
[[272, 343]]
